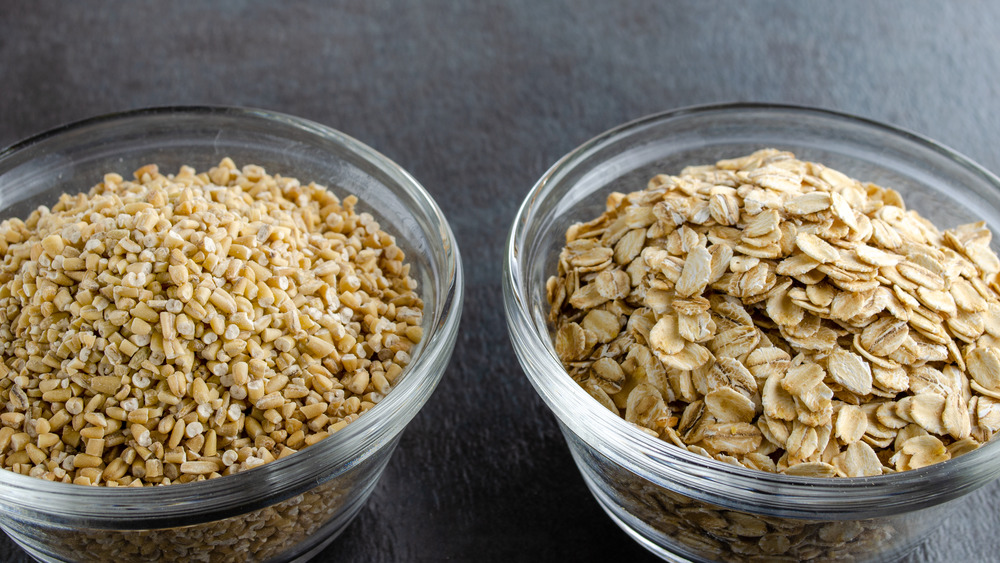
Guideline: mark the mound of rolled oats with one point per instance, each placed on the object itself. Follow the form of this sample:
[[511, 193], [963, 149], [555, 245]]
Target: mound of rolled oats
[[778, 315], [183, 327]]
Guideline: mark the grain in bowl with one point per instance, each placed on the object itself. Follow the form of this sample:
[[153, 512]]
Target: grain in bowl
[[188, 326], [779, 315], [696, 503], [271, 505]]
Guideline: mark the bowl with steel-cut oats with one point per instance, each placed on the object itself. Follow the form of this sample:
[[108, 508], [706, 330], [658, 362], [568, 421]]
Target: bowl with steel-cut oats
[[215, 323], [768, 333]]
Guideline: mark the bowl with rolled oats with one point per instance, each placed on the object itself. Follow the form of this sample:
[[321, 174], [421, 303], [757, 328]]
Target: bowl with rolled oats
[[215, 324], [768, 333]]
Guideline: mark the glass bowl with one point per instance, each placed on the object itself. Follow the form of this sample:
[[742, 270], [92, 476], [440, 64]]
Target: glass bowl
[[289, 509], [677, 504]]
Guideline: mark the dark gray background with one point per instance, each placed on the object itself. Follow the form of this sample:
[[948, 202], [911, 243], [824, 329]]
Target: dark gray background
[[477, 99]]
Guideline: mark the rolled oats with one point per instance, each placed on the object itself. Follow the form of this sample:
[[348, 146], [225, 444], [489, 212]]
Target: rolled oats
[[798, 320]]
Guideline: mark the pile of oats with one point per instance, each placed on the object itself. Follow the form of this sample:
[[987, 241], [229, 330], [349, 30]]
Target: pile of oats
[[188, 326], [778, 315]]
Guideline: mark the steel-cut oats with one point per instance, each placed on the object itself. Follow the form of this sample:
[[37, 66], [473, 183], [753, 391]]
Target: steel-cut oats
[[189, 326], [778, 315]]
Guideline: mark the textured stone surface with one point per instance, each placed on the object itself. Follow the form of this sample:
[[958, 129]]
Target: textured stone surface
[[477, 99]]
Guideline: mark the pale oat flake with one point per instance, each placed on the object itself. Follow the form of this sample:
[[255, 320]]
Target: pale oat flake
[[779, 315]]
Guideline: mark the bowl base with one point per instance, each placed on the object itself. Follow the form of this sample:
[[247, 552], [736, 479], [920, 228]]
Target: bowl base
[[653, 547], [304, 552], [657, 550], [329, 532], [635, 530]]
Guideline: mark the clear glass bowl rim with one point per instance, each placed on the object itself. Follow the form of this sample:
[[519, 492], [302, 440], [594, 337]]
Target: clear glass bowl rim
[[152, 507], [680, 470]]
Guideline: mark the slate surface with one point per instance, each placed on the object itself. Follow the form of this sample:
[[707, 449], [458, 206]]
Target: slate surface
[[477, 100]]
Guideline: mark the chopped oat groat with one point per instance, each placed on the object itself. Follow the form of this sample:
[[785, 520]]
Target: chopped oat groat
[[184, 327]]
